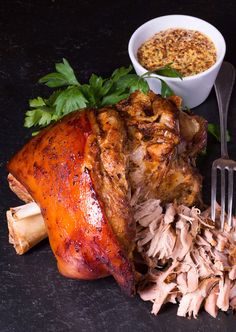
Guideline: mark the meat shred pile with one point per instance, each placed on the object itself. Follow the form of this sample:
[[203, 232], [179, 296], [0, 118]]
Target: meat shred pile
[[190, 261]]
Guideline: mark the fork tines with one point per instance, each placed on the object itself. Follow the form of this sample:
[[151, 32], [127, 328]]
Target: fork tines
[[223, 165]]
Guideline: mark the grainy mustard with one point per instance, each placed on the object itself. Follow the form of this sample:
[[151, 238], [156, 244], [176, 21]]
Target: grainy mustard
[[189, 51]]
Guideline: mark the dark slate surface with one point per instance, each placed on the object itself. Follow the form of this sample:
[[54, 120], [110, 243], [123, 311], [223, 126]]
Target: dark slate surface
[[93, 36]]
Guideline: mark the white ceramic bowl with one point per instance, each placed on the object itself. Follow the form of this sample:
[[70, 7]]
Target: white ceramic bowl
[[193, 89]]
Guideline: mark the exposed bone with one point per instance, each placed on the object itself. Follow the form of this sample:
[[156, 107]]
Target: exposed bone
[[24, 211], [26, 227]]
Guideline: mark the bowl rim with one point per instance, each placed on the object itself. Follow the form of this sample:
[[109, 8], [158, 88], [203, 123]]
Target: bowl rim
[[174, 79]]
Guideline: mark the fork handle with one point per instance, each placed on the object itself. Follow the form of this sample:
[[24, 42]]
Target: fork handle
[[223, 87]]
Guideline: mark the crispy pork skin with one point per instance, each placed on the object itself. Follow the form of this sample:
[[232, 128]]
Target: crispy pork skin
[[83, 194], [89, 170]]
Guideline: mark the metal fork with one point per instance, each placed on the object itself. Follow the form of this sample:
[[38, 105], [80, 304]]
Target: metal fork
[[223, 87]]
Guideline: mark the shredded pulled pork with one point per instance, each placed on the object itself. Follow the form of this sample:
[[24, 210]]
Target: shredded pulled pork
[[190, 261]]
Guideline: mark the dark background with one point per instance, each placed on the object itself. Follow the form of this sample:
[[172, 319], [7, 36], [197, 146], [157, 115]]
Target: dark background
[[93, 36]]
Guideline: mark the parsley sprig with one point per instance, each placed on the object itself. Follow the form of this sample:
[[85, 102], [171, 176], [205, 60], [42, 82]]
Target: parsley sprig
[[166, 71], [70, 95]]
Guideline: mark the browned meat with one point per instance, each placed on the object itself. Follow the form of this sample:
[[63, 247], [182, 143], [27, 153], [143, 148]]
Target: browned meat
[[164, 144], [109, 168]]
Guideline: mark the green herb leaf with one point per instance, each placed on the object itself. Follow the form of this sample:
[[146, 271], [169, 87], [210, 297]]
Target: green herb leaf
[[54, 80], [166, 91], [38, 117], [96, 90], [120, 72], [35, 133], [37, 102], [69, 100], [51, 100], [114, 98], [107, 86], [214, 130], [133, 83], [64, 76], [168, 71], [73, 95]]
